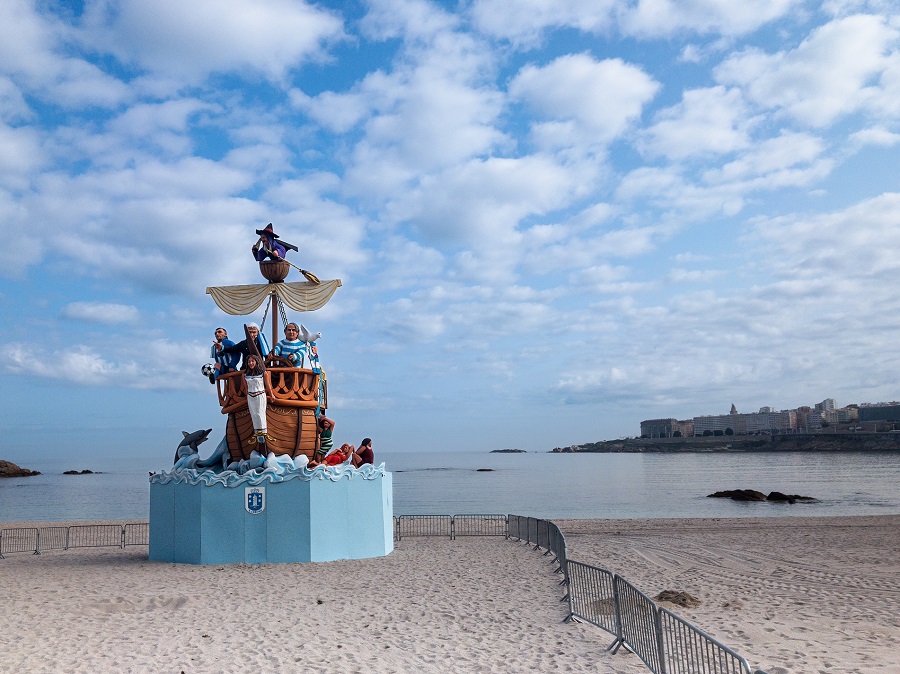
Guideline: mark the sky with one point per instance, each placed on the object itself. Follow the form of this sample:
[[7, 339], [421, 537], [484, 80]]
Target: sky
[[552, 219]]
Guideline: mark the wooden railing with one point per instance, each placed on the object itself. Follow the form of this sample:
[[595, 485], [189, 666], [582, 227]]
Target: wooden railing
[[290, 386]]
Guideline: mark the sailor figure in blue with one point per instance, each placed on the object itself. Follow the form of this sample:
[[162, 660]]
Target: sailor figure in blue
[[268, 246], [291, 347], [225, 362], [242, 348]]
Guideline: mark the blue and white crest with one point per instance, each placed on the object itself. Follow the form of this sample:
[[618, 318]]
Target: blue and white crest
[[254, 500]]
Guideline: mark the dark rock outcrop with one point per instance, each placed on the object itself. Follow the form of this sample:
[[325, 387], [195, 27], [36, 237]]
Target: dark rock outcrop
[[8, 469], [778, 497], [739, 495], [753, 495], [78, 472]]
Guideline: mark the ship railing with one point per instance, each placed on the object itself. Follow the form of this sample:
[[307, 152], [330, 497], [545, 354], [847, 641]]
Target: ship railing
[[291, 387]]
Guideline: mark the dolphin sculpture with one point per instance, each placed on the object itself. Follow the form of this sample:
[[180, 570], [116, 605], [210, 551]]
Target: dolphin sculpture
[[189, 444]]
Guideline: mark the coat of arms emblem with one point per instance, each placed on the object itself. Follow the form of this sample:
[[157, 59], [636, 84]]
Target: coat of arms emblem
[[255, 500]]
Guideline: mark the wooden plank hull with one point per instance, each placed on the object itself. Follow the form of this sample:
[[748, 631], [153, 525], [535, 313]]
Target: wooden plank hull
[[290, 413]]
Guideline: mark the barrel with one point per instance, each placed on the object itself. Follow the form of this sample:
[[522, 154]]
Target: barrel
[[274, 271]]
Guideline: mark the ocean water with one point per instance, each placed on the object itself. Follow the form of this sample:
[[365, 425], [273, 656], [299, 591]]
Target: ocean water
[[539, 485]]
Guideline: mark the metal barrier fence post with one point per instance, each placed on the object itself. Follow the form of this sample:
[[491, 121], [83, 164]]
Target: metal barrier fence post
[[640, 625], [424, 525], [20, 539], [480, 525], [543, 540], [136, 533], [593, 598], [688, 649], [95, 536]]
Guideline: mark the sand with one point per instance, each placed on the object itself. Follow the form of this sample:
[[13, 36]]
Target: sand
[[792, 595], [796, 596]]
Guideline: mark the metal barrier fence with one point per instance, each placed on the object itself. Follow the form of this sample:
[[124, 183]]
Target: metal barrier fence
[[76, 536], [639, 621], [666, 643], [592, 597], [450, 526], [480, 525], [423, 525], [136, 534], [689, 650], [19, 540]]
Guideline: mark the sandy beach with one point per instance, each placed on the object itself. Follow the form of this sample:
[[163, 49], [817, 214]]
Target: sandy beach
[[793, 595], [797, 595]]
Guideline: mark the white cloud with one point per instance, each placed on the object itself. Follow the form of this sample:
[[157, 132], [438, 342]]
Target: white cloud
[[790, 331], [706, 121], [481, 203], [163, 365], [600, 98], [655, 18], [13, 107], [409, 19], [34, 55], [877, 136], [852, 249], [106, 313], [830, 74], [524, 21], [21, 156], [201, 37], [772, 158]]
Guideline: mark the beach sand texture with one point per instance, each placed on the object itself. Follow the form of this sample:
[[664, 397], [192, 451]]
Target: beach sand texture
[[798, 596], [806, 595]]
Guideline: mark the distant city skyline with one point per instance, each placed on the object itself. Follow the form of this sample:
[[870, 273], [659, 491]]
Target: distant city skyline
[[804, 418]]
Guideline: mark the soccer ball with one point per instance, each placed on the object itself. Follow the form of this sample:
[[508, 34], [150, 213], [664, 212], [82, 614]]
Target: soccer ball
[[207, 369]]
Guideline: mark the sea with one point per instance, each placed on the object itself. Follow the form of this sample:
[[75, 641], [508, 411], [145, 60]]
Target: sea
[[545, 485]]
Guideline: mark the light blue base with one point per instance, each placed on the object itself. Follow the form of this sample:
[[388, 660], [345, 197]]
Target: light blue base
[[303, 521]]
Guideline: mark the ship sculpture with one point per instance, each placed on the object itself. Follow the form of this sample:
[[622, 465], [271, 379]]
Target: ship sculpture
[[296, 396], [271, 491]]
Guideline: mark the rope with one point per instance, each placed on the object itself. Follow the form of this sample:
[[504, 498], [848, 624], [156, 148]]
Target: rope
[[265, 314], [284, 320]]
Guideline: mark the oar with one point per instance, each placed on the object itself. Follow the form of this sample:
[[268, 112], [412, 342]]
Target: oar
[[312, 278]]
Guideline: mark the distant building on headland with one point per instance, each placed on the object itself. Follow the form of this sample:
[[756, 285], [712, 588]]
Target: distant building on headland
[[822, 417]]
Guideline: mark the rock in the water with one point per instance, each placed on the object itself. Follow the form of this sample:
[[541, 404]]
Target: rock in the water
[[753, 495], [740, 495], [8, 469], [78, 472], [678, 598], [778, 497]]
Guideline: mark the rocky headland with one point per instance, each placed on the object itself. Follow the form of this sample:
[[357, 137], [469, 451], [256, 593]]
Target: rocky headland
[[820, 442], [9, 469]]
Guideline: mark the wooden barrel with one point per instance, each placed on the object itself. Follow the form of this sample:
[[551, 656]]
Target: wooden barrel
[[274, 271]]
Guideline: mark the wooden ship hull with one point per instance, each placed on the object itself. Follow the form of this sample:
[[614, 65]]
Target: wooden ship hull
[[297, 393]]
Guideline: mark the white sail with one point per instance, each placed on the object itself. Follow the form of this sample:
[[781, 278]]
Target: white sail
[[299, 296]]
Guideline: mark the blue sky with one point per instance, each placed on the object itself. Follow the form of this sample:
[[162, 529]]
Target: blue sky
[[552, 218]]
